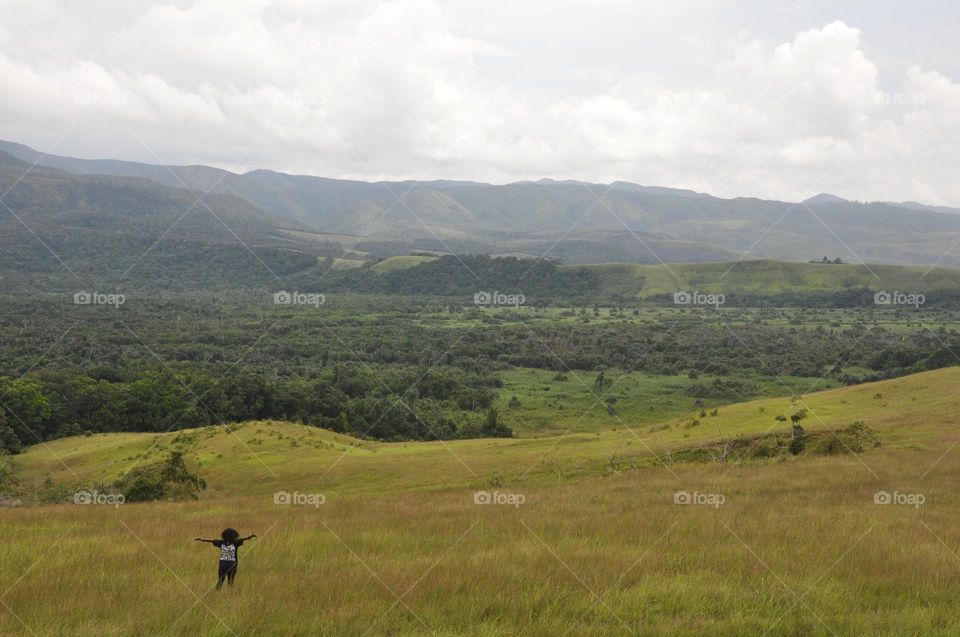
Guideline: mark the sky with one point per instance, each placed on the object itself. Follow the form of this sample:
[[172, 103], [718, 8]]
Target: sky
[[770, 99]]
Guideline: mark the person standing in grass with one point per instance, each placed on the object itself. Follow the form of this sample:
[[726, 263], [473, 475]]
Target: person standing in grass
[[228, 544]]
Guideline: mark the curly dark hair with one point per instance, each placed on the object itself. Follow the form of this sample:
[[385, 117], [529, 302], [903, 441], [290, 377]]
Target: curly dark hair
[[229, 535]]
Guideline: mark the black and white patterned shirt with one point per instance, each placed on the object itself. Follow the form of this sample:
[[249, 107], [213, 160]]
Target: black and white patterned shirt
[[228, 550]]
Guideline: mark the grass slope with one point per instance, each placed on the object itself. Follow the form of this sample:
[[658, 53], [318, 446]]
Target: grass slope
[[400, 548], [550, 406], [258, 456], [391, 264], [768, 277]]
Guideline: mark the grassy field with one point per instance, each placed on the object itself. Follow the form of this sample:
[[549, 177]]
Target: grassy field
[[767, 277], [597, 547], [552, 405], [400, 262]]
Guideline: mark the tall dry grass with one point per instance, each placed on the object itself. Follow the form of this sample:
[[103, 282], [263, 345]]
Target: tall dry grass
[[797, 548]]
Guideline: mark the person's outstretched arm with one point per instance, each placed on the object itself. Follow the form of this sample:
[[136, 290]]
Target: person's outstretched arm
[[200, 539], [249, 537]]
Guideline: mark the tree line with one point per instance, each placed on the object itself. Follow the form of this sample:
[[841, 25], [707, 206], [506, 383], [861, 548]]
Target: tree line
[[386, 404]]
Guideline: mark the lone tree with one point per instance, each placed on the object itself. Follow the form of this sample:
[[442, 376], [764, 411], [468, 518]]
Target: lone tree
[[493, 427], [798, 441]]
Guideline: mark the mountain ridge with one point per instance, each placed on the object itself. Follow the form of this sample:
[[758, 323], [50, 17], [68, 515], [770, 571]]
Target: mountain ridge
[[569, 220]]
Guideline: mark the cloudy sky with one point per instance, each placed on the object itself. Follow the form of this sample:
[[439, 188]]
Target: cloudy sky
[[766, 98]]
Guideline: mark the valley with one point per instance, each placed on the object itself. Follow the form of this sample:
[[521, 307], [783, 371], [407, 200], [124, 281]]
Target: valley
[[469, 432]]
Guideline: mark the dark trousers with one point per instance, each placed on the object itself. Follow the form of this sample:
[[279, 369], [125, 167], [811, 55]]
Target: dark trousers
[[227, 570]]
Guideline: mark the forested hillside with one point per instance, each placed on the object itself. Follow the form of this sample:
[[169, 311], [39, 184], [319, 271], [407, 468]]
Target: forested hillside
[[578, 222]]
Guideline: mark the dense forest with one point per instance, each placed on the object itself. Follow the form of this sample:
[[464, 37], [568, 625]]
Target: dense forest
[[140, 265], [386, 404], [403, 367]]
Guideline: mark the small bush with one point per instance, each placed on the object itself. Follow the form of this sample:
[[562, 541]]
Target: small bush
[[167, 480]]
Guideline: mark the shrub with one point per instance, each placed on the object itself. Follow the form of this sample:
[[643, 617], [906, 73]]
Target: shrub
[[167, 480]]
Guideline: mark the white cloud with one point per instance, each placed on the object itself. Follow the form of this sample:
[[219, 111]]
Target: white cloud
[[392, 89]]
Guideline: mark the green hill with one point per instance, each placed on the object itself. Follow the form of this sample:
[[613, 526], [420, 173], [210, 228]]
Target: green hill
[[767, 277], [580, 534], [909, 411]]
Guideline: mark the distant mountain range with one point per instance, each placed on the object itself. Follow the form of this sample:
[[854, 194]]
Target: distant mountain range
[[576, 222]]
